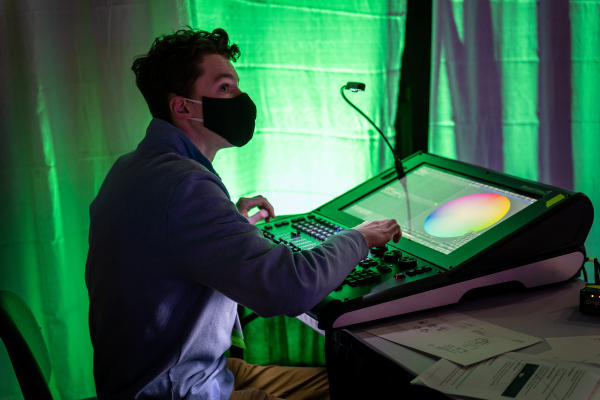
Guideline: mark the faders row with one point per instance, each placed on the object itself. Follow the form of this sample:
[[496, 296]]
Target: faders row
[[275, 240]]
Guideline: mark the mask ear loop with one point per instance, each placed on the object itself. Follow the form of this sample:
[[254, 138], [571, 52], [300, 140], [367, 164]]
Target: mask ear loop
[[195, 101]]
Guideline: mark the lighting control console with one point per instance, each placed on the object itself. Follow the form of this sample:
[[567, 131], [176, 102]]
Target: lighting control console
[[464, 228]]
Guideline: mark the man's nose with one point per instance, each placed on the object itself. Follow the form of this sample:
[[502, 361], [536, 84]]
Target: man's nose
[[236, 92]]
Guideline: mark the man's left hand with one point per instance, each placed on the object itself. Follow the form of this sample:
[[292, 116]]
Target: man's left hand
[[265, 212]]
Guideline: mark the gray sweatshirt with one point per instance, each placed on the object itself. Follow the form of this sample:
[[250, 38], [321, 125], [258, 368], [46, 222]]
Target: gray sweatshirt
[[170, 258]]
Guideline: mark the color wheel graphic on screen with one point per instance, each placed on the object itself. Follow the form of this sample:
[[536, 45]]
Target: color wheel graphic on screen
[[474, 212]]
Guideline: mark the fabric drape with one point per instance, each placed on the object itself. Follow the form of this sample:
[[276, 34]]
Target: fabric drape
[[69, 107], [514, 89]]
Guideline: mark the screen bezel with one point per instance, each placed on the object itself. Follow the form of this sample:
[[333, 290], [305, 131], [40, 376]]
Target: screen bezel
[[542, 193]]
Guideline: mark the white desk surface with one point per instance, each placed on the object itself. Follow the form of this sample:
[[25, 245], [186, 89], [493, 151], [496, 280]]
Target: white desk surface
[[551, 311]]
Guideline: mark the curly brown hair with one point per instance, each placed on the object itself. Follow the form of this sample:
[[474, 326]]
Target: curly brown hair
[[174, 63]]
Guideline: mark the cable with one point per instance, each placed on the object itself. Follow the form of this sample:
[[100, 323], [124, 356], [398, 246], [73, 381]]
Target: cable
[[584, 272], [596, 270], [397, 162], [356, 87]]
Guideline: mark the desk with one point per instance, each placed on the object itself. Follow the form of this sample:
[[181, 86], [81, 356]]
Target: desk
[[362, 365]]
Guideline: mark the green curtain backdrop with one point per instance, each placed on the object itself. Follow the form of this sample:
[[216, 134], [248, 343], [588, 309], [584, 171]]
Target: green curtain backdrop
[[69, 107], [515, 88]]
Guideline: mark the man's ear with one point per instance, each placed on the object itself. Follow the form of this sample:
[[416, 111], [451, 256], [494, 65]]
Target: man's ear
[[180, 108]]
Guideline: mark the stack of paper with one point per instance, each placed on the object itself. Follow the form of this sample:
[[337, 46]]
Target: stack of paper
[[513, 375], [456, 337], [476, 360]]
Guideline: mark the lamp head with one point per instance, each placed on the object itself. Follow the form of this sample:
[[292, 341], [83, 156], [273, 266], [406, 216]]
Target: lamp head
[[355, 86]]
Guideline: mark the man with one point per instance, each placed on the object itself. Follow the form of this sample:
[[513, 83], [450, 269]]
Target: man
[[171, 256]]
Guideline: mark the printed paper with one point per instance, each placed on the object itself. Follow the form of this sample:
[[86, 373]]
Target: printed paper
[[455, 337], [513, 375]]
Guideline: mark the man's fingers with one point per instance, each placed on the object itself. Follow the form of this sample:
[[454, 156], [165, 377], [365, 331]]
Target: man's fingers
[[252, 202], [390, 222], [267, 206], [394, 230], [262, 214], [260, 202], [398, 234]]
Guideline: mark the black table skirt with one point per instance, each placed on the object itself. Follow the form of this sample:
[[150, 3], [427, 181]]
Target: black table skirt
[[357, 372]]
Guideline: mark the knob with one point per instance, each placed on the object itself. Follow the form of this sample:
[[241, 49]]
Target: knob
[[391, 256], [408, 262], [379, 250]]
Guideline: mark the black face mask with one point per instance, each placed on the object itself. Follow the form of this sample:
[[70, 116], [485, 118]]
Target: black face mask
[[232, 118]]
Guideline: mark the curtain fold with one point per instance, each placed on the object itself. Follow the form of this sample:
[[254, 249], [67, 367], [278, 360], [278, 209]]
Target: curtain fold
[[514, 88], [69, 108]]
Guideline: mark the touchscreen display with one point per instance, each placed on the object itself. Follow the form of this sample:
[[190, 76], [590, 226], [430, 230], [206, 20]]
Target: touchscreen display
[[439, 209]]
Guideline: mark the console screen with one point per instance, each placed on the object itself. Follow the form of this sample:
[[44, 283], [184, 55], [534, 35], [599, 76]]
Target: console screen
[[442, 211]]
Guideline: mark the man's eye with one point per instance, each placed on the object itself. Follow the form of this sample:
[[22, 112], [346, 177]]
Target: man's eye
[[224, 88]]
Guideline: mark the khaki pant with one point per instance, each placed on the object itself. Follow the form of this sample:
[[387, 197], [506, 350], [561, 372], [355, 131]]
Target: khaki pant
[[255, 382]]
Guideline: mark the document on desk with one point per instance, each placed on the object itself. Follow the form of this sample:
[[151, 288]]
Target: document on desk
[[513, 375], [585, 349], [455, 337]]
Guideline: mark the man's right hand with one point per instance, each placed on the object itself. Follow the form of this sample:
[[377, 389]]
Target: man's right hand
[[378, 233]]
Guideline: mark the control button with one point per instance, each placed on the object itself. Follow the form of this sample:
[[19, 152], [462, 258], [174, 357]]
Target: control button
[[427, 268], [276, 241], [285, 223], [373, 263], [295, 234], [379, 250], [419, 270], [411, 272], [364, 263], [311, 217], [295, 226], [337, 289], [399, 275], [268, 227], [352, 282], [391, 256], [408, 262], [278, 224], [384, 268]]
